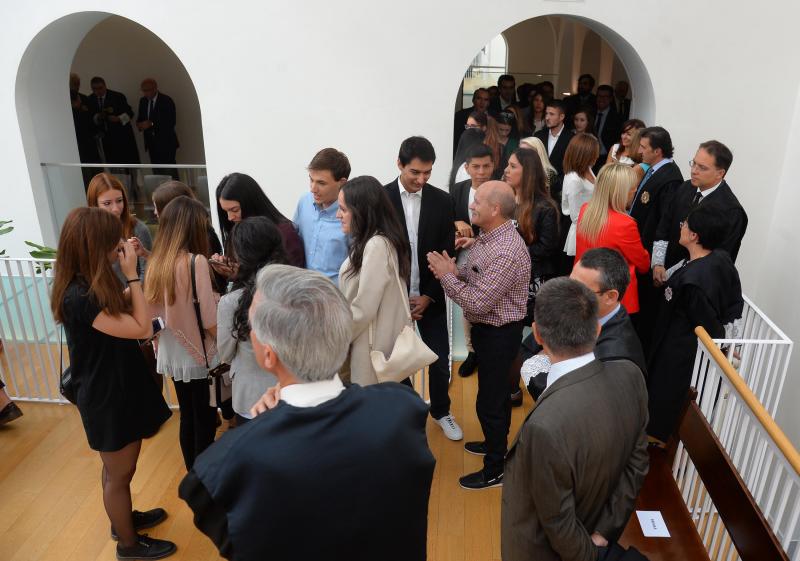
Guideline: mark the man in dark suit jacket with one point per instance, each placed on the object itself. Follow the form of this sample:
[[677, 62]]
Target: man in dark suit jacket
[[480, 103], [621, 100], [651, 200], [112, 116], [707, 187], [350, 465], [605, 272], [157, 122], [427, 214], [480, 167], [580, 458], [507, 90], [583, 98], [556, 135], [607, 122]]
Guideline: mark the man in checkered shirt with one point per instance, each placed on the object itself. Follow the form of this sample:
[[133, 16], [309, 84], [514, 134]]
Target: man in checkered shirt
[[492, 289]]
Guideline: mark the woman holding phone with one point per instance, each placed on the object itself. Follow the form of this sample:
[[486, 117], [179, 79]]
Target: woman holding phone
[[118, 400]]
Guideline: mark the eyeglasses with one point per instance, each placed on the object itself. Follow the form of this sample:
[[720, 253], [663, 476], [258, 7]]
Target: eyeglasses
[[693, 164]]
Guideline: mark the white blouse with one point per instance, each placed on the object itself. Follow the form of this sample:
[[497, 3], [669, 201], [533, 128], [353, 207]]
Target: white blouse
[[623, 160], [575, 193]]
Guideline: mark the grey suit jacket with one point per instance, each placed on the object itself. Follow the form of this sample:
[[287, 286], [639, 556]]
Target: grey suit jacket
[[578, 463]]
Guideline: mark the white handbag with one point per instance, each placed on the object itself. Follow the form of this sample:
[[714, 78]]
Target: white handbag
[[409, 354]]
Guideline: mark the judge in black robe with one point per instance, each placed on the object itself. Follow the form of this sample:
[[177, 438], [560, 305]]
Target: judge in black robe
[[703, 291]]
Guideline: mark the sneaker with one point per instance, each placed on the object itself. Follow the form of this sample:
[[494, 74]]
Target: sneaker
[[143, 520], [450, 427], [479, 480], [147, 548], [468, 367], [476, 447], [9, 413], [516, 399]]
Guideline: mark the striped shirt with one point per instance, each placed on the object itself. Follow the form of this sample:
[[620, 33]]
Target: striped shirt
[[492, 286]]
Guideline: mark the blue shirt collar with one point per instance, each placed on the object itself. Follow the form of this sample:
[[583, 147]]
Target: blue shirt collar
[[603, 320]]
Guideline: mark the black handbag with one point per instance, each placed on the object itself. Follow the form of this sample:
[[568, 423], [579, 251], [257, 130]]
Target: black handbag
[[66, 385], [214, 374]]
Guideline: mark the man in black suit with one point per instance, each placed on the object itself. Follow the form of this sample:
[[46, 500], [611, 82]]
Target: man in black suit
[[604, 272], [621, 100], [84, 129], [583, 98], [157, 122], [480, 103], [330, 472], [427, 213], [650, 201], [507, 89], [707, 187], [480, 167], [556, 135], [112, 116], [607, 122]]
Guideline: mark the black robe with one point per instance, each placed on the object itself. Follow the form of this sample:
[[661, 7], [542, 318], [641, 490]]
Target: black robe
[[706, 292]]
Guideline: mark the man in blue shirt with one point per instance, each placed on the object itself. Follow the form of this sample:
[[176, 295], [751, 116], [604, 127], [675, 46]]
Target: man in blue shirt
[[315, 217]]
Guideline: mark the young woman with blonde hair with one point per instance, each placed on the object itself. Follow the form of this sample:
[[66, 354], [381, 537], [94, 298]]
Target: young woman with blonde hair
[[183, 350], [603, 222], [535, 144]]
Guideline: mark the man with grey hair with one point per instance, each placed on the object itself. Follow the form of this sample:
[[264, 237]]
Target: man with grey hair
[[492, 289], [581, 456], [326, 472]]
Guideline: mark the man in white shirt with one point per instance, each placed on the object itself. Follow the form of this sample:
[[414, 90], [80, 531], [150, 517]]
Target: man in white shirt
[[572, 476], [320, 449], [428, 216]]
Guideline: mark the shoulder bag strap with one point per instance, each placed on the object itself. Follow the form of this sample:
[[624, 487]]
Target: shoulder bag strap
[[403, 296], [196, 303]]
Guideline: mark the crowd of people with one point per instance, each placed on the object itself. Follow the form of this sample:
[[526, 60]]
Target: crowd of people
[[591, 239]]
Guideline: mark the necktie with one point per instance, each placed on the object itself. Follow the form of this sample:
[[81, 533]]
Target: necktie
[[150, 110], [646, 177], [697, 198]]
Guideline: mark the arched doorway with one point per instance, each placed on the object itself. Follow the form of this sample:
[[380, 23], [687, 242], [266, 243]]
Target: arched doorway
[[558, 49], [122, 52]]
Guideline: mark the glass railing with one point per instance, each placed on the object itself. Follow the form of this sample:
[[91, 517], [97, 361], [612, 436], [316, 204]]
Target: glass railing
[[66, 185]]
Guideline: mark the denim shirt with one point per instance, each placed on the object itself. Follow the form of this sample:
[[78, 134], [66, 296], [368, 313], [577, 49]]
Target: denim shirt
[[323, 240]]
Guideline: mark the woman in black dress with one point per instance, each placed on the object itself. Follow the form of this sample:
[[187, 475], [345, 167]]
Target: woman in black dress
[[118, 400], [704, 290]]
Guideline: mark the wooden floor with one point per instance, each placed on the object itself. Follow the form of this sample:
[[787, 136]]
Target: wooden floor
[[51, 506]]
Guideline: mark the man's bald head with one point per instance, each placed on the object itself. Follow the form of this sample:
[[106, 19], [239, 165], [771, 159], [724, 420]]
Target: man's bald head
[[494, 204], [149, 88]]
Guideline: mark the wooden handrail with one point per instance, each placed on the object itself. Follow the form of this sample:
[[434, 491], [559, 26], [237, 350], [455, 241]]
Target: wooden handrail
[[769, 424]]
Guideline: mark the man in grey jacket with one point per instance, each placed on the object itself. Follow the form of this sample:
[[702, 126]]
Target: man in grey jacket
[[580, 458]]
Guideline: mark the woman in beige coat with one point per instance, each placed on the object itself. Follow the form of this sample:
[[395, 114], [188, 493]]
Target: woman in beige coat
[[368, 277]]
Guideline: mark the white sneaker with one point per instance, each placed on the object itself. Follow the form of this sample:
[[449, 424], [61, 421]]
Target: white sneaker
[[450, 427]]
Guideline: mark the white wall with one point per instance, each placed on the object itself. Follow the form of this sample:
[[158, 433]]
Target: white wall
[[361, 77], [123, 53]]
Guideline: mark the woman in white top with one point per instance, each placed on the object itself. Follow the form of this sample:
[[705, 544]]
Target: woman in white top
[[582, 152], [622, 151]]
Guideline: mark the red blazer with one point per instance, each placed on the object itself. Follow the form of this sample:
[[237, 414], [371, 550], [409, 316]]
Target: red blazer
[[621, 234]]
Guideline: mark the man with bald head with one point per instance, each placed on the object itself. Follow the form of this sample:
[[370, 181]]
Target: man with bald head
[[157, 122], [492, 289]]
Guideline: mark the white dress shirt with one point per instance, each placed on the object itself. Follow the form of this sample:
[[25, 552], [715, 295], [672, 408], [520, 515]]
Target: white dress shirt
[[560, 369], [411, 205], [312, 394], [553, 139]]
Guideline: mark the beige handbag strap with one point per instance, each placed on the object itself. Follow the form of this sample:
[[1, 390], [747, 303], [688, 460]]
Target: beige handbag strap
[[403, 296]]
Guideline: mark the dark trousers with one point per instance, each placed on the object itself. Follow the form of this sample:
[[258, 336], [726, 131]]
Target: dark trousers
[[649, 303], [198, 419], [433, 329], [163, 155], [497, 347]]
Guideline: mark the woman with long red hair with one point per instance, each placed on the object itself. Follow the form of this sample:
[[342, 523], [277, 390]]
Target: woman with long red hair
[[118, 400]]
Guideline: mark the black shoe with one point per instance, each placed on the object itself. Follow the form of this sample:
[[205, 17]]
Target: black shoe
[[147, 548], [468, 367], [476, 447], [516, 399], [144, 520], [9, 413], [479, 480]]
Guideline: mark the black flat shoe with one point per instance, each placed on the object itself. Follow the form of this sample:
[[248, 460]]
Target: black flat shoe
[[479, 480], [476, 447], [147, 548], [144, 520], [9, 413], [468, 367]]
